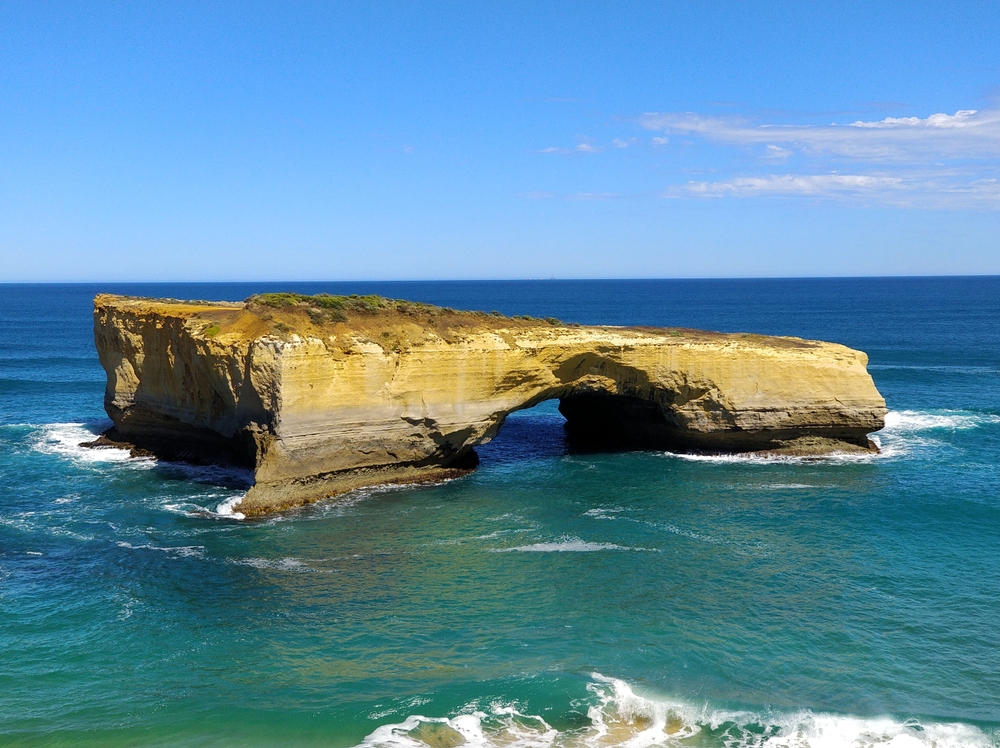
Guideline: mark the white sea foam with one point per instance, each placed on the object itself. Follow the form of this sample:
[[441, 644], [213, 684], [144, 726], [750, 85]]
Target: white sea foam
[[767, 459], [620, 717], [566, 545], [906, 421], [604, 512], [905, 432], [64, 439], [228, 508], [177, 551], [275, 564], [502, 726]]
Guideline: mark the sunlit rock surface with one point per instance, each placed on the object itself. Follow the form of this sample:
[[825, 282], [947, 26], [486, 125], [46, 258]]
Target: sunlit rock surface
[[320, 395]]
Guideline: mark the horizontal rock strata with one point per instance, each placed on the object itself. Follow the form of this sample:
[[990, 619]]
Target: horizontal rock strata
[[320, 395]]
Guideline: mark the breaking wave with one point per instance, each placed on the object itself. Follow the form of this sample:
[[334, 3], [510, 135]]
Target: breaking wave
[[619, 717], [228, 508], [886, 451], [906, 421], [905, 432], [64, 440]]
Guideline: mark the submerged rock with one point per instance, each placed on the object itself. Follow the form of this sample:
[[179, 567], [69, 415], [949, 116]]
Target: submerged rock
[[319, 395]]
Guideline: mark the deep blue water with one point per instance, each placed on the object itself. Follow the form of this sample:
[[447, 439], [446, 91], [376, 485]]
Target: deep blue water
[[548, 599]]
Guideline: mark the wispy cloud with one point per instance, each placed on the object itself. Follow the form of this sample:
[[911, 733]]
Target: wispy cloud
[[791, 184], [584, 148], [966, 134], [932, 161], [941, 160], [925, 192], [776, 153]]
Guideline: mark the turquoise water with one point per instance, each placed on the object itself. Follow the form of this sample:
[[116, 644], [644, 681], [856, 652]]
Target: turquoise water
[[550, 598]]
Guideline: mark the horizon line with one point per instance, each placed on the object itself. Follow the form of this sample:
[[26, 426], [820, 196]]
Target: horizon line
[[510, 280]]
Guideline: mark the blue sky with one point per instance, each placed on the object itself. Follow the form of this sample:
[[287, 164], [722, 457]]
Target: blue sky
[[216, 141]]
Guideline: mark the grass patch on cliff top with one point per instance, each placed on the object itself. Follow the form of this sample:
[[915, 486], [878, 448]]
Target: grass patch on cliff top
[[326, 308], [394, 324]]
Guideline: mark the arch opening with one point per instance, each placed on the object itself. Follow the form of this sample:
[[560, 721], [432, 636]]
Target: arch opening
[[580, 423]]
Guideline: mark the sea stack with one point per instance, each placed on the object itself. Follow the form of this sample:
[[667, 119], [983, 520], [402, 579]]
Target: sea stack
[[318, 395]]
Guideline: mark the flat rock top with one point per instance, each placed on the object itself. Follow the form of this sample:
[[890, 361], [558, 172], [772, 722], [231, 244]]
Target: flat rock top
[[398, 324]]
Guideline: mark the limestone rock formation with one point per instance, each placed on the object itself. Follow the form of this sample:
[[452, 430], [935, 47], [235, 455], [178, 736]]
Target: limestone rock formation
[[320, 395]]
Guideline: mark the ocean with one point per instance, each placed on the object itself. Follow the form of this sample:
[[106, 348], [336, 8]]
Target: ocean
[[550, 598]]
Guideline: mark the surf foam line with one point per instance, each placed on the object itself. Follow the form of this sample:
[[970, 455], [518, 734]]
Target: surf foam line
[[887, 450], [64, 439], [905, 432], [906, 421], [566, 545], [620, 717]]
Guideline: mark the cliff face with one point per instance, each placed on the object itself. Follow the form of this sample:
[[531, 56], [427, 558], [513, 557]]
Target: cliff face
[[323, 394]]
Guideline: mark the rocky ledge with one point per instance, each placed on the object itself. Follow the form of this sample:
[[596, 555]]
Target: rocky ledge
[[318, 395]]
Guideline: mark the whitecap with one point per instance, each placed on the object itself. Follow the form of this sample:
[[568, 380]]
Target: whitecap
[[567, 545], [905, 421], [604, 512], [277, 564], [228, 508], [500, 533], [619, 716], [758, 458], [177, 551], [64, 440], [502, 726], [897, 439]]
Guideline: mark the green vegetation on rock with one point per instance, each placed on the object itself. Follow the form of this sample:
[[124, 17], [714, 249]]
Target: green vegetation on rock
[[322, 308]]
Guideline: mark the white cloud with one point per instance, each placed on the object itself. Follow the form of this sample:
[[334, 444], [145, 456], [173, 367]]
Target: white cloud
[[926, 191], [941, 160], [966, 134], [585, 148], [776, 153], [794, 184], [938, 161], [961, 118]]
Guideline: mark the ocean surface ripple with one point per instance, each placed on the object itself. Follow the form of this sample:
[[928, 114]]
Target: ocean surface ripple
[[551, 598]]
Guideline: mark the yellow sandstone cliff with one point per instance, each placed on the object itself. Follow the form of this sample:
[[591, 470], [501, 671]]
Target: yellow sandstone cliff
[[320, 395]]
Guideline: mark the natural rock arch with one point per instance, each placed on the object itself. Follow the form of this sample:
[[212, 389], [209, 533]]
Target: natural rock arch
[[318, 408]]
